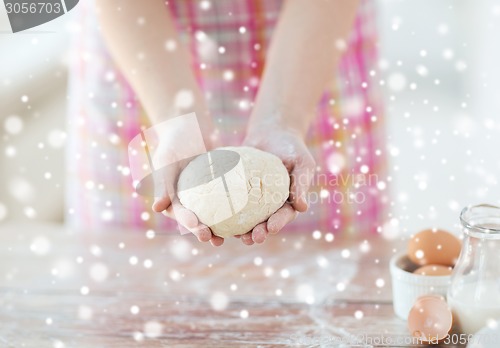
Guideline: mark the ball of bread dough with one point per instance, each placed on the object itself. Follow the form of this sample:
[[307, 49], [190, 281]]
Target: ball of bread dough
[[233, 189]]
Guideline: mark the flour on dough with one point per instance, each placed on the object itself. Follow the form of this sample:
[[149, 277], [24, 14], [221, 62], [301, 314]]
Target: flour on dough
[[233, 189]]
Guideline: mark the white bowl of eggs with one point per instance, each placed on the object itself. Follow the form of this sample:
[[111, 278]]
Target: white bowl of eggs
[[424, 269]]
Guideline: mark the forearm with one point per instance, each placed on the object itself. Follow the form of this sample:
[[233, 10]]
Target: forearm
[[155, 70], [302, 60]]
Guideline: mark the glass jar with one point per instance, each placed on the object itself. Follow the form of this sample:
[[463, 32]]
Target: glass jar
[[474, 292]]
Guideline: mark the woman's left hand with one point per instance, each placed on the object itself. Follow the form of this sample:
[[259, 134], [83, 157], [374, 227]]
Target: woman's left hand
[[289, 146]]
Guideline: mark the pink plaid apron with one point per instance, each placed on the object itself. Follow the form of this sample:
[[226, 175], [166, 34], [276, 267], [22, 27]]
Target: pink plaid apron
[[228, 40]]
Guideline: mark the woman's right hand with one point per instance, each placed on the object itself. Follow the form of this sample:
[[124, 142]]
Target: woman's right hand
[[168, 203], [157, 82]]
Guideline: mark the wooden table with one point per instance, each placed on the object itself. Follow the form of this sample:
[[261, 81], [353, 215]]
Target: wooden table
[[63, 288]]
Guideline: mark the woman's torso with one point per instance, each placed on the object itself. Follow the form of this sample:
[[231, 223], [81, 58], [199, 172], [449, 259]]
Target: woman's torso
[[228, 40]]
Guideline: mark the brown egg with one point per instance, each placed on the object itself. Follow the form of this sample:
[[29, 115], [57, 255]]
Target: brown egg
[[434, 270], [436, 247], [430, 319]]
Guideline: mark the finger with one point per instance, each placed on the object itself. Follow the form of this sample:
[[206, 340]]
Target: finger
[[248, 242], [238, 236], [202, 232], [247, 238], [183, 215], [217, 241], [283, 216], [163, 184], [160, 204], [301, 177], [259, 233], [187, 219]]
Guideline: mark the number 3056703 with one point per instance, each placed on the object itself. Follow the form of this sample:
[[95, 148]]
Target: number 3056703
[[33, 7]]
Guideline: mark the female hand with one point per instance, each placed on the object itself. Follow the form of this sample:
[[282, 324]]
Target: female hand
[[168, 203], [289, 146]]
